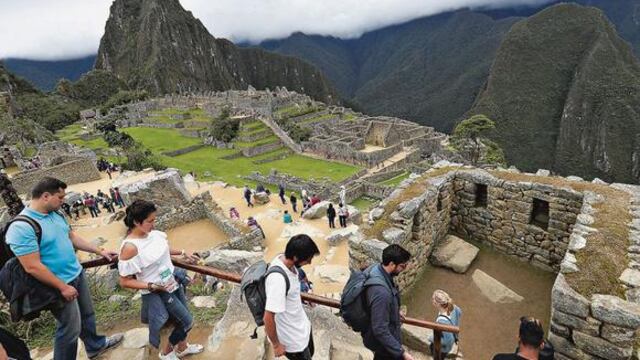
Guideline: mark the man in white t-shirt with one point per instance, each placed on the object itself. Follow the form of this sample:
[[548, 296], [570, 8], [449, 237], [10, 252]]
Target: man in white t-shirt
[[286, 323]]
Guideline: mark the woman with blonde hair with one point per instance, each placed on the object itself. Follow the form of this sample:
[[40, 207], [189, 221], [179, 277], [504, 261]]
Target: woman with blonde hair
[[448, 314]]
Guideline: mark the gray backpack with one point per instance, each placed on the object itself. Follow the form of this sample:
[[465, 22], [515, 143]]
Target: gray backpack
[[252, 286]]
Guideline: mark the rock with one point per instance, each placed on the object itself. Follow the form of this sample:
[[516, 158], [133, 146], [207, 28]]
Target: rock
[[454, 253], [355, 216], [493, 289], [340, 351], [599, 181], [416, 337], [136, 338], [332, 273], [543, 172], [317, 211], [599, 347], [631, 277], [71, 197], [204, 301], [261, 198], [118, 299], [129, 354], [107, 278], [574, 178], [234, 261], [337, 236], [137, 296], [615, 311], [394, 235], [376, 213], [409, 208], [564, 298], [298, 227]]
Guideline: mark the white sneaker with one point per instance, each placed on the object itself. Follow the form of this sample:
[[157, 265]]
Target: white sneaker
[[169, 356], [190, 350]]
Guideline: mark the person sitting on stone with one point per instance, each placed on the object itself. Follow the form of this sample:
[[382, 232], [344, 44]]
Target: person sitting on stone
[[287, 217], [448, 314], [315, 199], [234, 214], [260, 188], [253, 224], [530, 341], [145, 264]]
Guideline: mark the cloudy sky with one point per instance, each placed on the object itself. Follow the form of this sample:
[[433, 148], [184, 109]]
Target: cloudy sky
[[63, 29]]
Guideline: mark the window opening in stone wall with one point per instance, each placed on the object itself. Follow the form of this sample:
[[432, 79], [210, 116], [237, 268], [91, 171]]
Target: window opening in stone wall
[[540, 214], [481, 195]]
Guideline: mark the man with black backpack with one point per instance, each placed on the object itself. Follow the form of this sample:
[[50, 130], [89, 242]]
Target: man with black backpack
[[286, 323], [44, 245], [380, 320]]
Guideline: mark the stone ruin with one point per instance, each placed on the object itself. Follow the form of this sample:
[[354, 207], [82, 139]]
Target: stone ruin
[[550, 223], [176, 207]]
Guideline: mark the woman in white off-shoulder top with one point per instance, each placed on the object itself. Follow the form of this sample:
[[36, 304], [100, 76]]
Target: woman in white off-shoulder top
[[145, 264]]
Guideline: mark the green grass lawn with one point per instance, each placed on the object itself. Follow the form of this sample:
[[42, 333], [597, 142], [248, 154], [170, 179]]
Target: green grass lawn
[[160, 140], [395, 181], [363, 203], [264, 141], [317, 118]]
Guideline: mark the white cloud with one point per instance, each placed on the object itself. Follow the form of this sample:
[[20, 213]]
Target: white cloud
[[62, 29]]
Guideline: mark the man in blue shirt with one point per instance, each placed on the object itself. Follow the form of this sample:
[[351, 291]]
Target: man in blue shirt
[[54, 263]]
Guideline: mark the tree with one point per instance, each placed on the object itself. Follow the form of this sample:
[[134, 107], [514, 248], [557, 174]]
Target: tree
[[224, 130], [9, 195], [468, 135]]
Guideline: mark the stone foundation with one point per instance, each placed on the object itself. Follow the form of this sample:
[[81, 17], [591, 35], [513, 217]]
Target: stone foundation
[[73, 172], [165, 189]]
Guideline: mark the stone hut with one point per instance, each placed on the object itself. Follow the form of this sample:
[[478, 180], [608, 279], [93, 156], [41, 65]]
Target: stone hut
[[585, 233]]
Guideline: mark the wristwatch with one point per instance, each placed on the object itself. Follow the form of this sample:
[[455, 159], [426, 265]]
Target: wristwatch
[[150, 286]]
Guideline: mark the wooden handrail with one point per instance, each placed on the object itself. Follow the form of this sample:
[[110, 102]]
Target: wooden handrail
[[437, 328]]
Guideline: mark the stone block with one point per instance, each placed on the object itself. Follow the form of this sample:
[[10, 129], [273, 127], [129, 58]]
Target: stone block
[[561, 330], [615, 311], [416, 338], [565, 346], [619, 336], [600, 347], [589, 325], [631, 277], [394, 235], [455, 254], [493, 289]]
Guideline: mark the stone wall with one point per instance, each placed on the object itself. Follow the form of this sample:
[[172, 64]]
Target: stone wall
[[183, 151], [505, 220], [73, 172], [259, 150], [165, 189]]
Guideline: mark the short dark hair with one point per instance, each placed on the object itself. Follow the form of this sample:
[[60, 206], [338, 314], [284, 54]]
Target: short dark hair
[[396, 254], [47, 185], [302, 247], [531, 332], [137, 212]]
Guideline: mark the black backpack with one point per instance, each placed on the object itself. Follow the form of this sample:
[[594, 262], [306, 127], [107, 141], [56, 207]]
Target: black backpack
[[5, 251], [354, 309], [252, 286]]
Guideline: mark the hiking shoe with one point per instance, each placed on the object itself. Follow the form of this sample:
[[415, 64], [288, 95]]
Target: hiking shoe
[[112, 341], [190, 350], [169, 356]]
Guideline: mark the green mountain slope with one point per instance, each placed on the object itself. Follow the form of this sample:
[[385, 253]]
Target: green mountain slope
[[564, 91], [159, 46]]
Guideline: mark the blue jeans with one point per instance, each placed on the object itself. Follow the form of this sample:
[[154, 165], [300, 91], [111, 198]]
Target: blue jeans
[[77, 319], [159, 307]]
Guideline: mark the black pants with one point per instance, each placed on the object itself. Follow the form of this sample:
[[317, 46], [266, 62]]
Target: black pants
[[294, 205], [282, 198], [249, 204], [332, 222], [343, 221], [306, 354], [383, 355]]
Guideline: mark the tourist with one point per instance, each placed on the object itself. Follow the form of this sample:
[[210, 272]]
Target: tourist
[[343, 214], [54, 263], [305, 196], [145, 264], [281, 193], [294, 202], [118, 198], [287, 217], [448, 314], [253, 224], [12, 347], [234, 214], [331, 215], [108, 204], [315, 199], [76, 209], [67, 209], [90, 204], [95, 204], [286, 324], [343, 195], [530, 342], [383, 302], [247, 195], [100, 195], [260, 188], [112, 194]]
